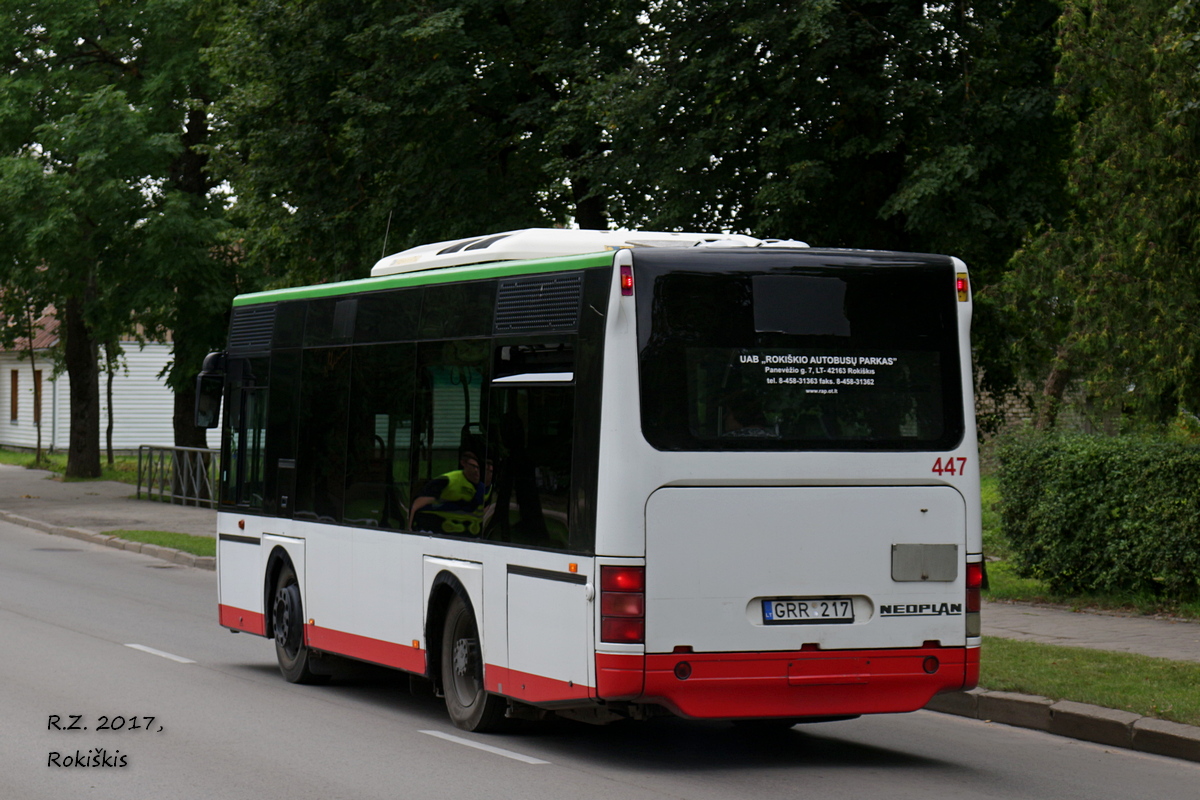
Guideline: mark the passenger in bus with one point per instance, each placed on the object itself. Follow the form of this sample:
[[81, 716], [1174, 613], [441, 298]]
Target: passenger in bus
[[458, 502]]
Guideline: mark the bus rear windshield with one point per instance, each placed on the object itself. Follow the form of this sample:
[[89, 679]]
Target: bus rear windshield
[[825, 352]]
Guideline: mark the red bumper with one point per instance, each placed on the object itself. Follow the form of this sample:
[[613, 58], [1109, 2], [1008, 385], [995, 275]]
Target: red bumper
[[794, 684]]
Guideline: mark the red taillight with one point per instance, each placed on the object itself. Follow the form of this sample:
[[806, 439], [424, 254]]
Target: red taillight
[[626, 281], [623, 604], [627, 630], [974, 598], [962, 287], [622, 579], [974, 586]]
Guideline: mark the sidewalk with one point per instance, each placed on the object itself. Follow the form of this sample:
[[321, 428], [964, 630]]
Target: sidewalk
[[90, 509], [96, 506]]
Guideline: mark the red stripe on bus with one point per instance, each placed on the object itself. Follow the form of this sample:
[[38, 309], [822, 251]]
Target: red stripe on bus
[[364, 648], [620, 676], [239, 619], [532, 688], [800, 684]]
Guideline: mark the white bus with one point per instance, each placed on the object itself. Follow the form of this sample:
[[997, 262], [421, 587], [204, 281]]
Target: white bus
[[609, 475]]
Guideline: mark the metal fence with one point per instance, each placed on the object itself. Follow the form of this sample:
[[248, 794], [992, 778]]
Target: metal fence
[[186, 476]]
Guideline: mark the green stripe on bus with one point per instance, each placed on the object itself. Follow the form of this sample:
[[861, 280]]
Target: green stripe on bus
[[495, 269]]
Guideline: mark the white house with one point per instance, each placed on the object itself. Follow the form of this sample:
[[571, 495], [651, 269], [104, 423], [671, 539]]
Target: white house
[[30, 396]]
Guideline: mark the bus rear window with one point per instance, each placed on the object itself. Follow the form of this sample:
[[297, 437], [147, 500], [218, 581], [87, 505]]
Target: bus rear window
[[812, 356]]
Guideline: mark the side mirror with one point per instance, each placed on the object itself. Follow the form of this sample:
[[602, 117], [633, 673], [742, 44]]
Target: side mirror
[[210, 385]]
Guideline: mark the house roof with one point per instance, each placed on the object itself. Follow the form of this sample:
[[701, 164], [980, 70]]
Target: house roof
[[46, 335]]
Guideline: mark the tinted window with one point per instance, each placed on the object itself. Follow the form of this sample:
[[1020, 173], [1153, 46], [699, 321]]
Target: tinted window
[[458, 310], [450, 439], [813, 356], [321, 434], [388, 316], [379, 432]]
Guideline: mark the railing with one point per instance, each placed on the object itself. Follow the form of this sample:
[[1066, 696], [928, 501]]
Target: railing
[[186, 476]]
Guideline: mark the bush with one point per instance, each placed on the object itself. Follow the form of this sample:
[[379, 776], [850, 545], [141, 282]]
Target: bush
[[1097, 514]]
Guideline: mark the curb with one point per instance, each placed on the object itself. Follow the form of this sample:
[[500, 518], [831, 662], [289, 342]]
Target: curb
[[165, 553], [1088, 723]]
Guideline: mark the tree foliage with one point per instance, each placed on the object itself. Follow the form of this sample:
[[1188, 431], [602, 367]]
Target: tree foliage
[[104, 204], [347, 120], [899, 125], [1113, 292]]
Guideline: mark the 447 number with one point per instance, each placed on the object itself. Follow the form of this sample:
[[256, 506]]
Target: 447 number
[[950, 466]]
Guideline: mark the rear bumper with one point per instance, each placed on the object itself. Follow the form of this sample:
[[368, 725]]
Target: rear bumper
[[790, 684]]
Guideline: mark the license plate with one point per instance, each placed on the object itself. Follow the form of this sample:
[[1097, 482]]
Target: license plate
[[812, 611]]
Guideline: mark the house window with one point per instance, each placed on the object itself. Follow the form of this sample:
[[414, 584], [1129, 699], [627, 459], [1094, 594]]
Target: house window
[[37, 397], [12, 395]]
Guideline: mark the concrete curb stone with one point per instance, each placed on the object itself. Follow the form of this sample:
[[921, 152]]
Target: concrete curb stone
[[1066, 718], [165, 553], [1093, 723], [1166, 738], [1021, 710]]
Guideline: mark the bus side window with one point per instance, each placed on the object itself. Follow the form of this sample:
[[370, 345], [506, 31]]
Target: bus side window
[[247, 433], [533, 427], [449, 426], [380, 432], [321, 434]]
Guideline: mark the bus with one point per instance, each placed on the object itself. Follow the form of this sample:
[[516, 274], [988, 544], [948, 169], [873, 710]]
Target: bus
[[610, 475]]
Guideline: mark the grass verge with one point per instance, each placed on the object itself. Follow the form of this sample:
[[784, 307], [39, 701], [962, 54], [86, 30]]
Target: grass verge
[[1152, 687], [123, 469], [196, 545]]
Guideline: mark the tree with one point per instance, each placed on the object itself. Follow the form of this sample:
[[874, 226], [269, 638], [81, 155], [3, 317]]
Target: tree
[[894, 125], [1115, 287], [900, 125], [103, 200], [349, 123]]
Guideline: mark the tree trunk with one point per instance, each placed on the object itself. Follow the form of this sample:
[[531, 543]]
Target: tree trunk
[[110, 367], [184, 420], [37, 386], [1054, 389], [83, 369]]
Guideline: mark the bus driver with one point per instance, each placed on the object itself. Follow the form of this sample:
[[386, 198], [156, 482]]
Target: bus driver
[[457, 502]]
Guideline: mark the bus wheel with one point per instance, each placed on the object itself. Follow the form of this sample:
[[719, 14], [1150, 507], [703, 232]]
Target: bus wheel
[[470, 706], [288, 623]]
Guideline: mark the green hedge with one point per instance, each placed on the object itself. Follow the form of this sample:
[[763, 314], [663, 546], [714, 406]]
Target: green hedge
[[1090, 514]]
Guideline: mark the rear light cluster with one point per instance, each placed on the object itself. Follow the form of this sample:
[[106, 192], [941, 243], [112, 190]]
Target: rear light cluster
[[974, 594], [623, 605]]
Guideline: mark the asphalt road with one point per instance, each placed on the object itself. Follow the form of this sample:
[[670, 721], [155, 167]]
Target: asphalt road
[[95, 636]]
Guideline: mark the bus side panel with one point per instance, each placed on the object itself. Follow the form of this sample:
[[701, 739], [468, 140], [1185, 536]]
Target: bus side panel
[[549, 641], [239, 583]]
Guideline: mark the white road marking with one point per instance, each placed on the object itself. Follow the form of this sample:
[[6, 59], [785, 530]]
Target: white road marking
[[160, 653], [498, 751]]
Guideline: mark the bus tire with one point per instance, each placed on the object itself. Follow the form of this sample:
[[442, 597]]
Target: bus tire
[[470, 706], [287, 616]]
